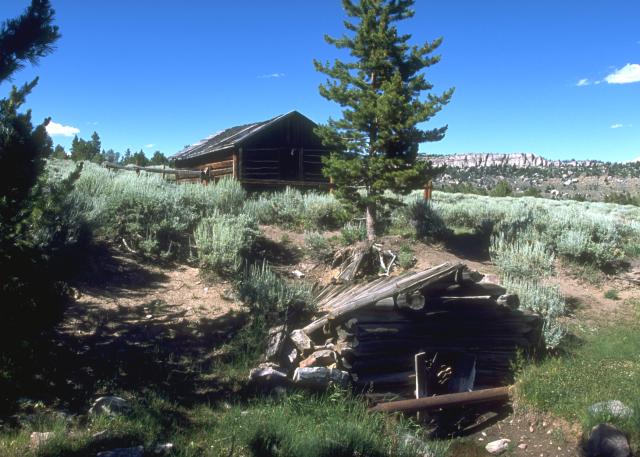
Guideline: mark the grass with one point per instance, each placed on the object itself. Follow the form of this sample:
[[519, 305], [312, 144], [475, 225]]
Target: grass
[[296, 424], [605, 367], [612, 294]]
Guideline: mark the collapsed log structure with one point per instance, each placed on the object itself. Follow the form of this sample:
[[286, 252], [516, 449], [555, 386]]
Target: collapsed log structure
[[435, 332]]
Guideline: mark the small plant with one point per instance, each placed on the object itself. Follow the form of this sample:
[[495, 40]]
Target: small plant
[[545, 300], [522, 258], [267, 294], [352, 233], [612, 294], [318, 247], [502, 189], [224, 242], [406, 258]]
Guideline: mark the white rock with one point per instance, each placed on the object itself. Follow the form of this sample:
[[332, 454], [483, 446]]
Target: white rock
[[320, 377], [110, 405], [498, 446], [37, 439], [163, 448], [614, 408]]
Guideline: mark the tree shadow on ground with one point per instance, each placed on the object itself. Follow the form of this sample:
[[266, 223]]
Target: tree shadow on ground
[[276, 253], [149, 346], [473, 246]]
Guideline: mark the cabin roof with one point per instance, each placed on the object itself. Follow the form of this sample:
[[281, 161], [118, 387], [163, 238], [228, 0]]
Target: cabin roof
[[229, 137]]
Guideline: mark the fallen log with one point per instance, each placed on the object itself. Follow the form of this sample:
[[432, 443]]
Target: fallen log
[[501, 394]]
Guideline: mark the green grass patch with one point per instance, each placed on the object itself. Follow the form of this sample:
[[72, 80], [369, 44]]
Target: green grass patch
[[612, 294], [296, 424], [605, 367]]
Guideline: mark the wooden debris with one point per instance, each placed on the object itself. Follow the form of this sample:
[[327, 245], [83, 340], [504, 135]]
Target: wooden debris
[[465, 328]]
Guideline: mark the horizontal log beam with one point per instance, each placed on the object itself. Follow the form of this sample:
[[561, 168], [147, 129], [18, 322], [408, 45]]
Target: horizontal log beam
[[502, 394]]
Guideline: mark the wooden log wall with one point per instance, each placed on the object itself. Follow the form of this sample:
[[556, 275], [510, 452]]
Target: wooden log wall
[[376, 328]]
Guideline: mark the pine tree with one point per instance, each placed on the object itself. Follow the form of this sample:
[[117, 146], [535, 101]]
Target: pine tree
[[59, 153], [375, 143]]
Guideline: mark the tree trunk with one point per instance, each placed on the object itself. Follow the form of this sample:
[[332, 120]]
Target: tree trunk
[[371, 223]]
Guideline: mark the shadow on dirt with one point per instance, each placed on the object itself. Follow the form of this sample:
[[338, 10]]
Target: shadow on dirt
[[96, 350], [473, 246]]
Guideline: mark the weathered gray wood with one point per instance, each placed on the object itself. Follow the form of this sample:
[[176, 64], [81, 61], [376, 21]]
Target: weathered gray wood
[[388, 288]]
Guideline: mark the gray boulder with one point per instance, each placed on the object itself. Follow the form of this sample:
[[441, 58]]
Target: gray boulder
[[607, 441], [110, 405], [268, 373], [613, 408], [320, 377]]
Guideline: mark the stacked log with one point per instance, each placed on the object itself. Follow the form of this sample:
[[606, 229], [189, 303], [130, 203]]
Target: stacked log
[[372, 331]]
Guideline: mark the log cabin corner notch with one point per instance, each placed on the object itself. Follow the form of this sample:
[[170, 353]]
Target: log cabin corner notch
[[283, 150]]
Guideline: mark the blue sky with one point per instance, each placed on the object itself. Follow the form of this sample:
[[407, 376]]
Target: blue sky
[[556, 78]]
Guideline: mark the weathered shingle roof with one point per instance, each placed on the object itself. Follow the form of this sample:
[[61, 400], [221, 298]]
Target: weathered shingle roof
[[226, 138]]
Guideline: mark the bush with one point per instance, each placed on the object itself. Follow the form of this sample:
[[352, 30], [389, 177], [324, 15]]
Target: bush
[[267, 294], [293, 209], [224, 242], [522, 258], [423, 218], [612, 294], [153, 216], [318, 247], [502, 189], [543, 299], [352, 233], [406, 257]]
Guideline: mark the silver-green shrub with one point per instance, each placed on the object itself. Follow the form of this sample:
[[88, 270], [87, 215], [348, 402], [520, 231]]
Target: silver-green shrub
[[224, 242], [318, 247], [523, 257], [294, 209], [265, 292], [151, 215], [543, 299]]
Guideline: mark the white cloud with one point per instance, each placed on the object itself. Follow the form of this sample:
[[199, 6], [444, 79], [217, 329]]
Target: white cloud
[[55, 129], [150, 145], [617, 126], [630, 73], [272, 75], [582, 82]]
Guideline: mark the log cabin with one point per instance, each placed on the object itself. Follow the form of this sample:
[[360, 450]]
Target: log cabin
[[282, 151]]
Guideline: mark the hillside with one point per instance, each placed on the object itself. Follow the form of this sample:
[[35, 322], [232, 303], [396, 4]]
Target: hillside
[[533, 175]]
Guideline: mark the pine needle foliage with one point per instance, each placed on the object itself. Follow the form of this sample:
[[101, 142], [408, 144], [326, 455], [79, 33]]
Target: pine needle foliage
[[375, 143]]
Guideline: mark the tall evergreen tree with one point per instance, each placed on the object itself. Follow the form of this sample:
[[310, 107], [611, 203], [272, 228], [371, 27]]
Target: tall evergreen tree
[[28, 213], [59, 153], [158, 158], [375, 143]]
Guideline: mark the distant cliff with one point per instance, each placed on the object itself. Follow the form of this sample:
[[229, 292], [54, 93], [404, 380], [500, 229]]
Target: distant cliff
[[519, 160]]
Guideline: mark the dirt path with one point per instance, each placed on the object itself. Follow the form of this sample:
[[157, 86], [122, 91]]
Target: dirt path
[[133, 326]]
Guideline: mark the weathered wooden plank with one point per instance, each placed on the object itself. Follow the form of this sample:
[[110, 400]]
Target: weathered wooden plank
[[389, 288]]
